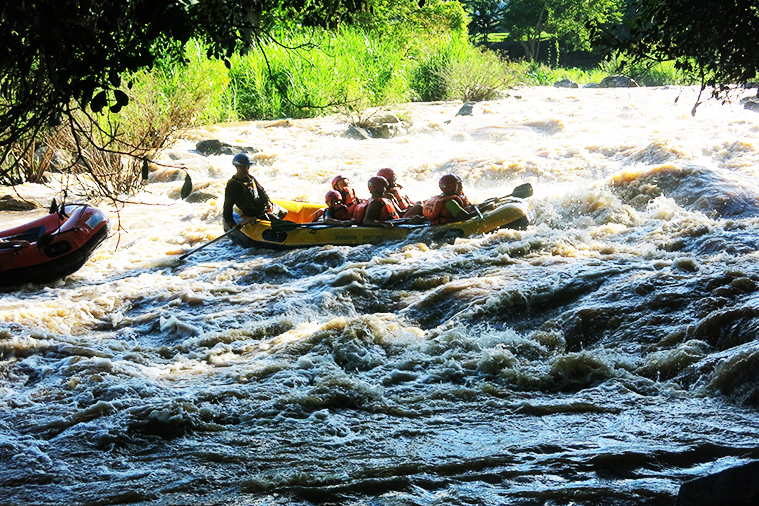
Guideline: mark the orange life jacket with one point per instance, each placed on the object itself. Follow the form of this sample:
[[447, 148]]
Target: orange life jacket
[[387, 213], [402, 202], [349, 197], [435, 211]]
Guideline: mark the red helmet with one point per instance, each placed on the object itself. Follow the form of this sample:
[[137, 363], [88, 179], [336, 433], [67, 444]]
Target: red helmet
[[336, 180], [449, 183], [388, 174], [333, 197], [377, 184]]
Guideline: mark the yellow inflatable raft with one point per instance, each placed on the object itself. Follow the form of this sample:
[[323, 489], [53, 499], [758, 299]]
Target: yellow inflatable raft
[[297, 231]]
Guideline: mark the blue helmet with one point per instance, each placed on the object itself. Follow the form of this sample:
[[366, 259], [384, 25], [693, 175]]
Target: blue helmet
[[241, 160]]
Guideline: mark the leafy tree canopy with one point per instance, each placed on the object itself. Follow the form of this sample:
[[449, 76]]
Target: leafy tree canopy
[[531, 21], [713, 39], [55, 53], [485, 17]]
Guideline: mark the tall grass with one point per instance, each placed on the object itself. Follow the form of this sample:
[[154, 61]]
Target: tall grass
[[357, 69], [319, 72], [310, 76]]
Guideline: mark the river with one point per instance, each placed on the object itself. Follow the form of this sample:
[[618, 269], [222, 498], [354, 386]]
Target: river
[[602, 356]]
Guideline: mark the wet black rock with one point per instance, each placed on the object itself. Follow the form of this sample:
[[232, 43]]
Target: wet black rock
[[466, 109], [737, 486], [565, 83], [618, 82], [11, 203], [751, 103], [216, 147]]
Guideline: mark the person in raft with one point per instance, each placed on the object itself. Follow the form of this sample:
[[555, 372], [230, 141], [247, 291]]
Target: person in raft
[[336, 212], [451, 205], [378, 210], [248, 195], [341, 184], [404, 206]]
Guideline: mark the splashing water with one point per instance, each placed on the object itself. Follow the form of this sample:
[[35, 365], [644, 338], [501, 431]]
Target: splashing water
[[602, 356]]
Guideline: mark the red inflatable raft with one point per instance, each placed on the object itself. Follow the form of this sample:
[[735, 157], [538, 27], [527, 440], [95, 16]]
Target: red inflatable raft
[[52, 247]]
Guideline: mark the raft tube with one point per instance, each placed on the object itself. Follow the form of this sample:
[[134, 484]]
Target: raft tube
[[296, 231], [51, 247]]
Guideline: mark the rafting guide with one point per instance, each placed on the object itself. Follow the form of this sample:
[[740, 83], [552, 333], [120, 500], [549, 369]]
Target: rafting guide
[[247, 194]]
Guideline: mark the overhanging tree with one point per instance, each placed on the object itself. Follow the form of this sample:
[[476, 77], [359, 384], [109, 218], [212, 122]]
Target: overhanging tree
[[713, 40], [61, 57]]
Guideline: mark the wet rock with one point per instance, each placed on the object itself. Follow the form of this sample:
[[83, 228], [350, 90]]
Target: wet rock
[[466, 109], [196, 197], [565, 83], [737, 486], [751, 103], [618, 81], [11, 203], [357, 133], [378, 127], [216, 147]]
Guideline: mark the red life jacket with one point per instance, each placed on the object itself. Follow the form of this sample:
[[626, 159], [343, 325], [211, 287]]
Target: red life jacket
[[435, 211], [339, 212], [387, 213]]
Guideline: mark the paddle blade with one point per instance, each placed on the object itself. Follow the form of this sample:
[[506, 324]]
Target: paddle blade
[[522, 191], [186, 187]]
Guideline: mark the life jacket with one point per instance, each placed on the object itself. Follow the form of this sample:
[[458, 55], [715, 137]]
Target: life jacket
[[402, 202], [339, 212], [435, 211], [387, 213], [349, 197]]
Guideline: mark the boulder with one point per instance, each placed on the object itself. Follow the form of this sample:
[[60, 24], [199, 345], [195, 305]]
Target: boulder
[[751, 103], [565, 83], [377, 127], [216, 147], [618, 82], [737, 486], [11, 203], [358, 133], [200, 196], [466, 109]]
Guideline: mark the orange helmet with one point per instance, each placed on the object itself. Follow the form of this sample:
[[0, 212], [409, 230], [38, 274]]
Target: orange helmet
[[449, 183], [333, 197], [388, 174], [377, 184], [336, 180]]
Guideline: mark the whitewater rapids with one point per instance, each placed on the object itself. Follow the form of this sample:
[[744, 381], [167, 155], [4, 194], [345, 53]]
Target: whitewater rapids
[[603, 356]]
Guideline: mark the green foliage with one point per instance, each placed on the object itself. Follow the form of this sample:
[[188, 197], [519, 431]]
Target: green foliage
[[485, 18], [325, 72], [531, 21], [454, 70], [60, 56], [712, 40], [647, 72]]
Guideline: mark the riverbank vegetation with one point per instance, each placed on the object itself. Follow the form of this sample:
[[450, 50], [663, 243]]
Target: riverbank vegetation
[[104, 104]]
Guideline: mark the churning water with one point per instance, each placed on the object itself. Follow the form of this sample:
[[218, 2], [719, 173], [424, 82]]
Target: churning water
[[601, 357]]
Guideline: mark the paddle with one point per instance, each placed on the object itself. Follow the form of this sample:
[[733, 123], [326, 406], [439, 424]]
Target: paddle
[[521, 192], [226, 234]]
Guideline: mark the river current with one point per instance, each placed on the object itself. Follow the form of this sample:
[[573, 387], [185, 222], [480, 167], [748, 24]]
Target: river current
[[602, 356]]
